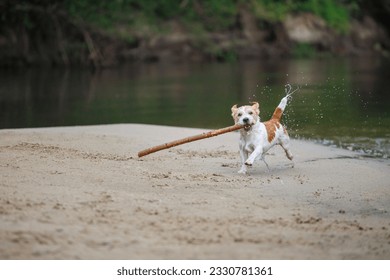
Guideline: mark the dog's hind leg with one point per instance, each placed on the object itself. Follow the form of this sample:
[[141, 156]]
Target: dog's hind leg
[[266, 164], [284, 141]]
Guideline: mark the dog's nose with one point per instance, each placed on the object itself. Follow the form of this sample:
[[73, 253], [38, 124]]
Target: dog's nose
[[245, 120]]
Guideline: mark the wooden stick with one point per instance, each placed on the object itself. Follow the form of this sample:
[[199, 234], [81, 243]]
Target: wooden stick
[[189, 139]]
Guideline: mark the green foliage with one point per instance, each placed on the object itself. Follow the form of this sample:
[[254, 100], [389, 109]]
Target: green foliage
[[214, 14], [218, 14], [270, 10], [101, 13], [60, 23], [223, 55], [334, 13], [303, 50]]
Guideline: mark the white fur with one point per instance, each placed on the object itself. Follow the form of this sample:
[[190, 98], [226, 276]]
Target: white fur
[[254, 139]]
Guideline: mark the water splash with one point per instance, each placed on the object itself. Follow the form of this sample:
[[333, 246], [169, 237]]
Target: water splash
[[288, 90]]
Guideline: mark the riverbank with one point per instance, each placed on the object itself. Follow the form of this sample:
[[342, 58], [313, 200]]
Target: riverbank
[[107, 34], [82, 193]]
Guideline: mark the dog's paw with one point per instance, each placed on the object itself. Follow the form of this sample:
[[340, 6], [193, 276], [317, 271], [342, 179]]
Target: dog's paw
[[242, 171], [248, 163]]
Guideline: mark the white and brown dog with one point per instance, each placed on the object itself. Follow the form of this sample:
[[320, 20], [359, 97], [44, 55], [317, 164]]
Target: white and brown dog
[[258, 137]]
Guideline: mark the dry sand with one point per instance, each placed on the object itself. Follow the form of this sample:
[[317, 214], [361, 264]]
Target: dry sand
[[82, 193]]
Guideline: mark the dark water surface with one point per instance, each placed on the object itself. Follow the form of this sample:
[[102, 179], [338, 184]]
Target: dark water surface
[[342, 102]]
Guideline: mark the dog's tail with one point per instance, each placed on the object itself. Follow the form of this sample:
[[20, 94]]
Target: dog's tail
[[277, 115]]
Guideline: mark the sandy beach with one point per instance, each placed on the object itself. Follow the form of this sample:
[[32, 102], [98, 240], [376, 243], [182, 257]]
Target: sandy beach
[[82, 193]]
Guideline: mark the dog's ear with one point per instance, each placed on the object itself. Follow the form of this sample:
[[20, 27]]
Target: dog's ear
[[234, 109], [255, 106], [234, 113]]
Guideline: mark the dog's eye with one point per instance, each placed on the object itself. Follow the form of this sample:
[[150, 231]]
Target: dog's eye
[[251, 113], [239, 114]]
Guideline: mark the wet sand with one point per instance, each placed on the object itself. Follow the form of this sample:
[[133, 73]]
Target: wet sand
[[82, 193]]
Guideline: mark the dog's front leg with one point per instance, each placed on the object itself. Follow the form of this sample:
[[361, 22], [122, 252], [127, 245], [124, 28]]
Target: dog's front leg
[[256, 153], [244, 157]]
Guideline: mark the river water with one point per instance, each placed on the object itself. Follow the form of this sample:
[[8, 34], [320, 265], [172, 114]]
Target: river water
[[341, 102]]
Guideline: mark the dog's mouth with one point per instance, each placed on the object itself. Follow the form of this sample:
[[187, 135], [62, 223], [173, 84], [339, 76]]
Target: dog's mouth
[[247, 127]]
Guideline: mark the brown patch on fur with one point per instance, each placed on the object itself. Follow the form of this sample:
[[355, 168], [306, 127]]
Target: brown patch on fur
[[277, 114], [271, 127], [273, 124]]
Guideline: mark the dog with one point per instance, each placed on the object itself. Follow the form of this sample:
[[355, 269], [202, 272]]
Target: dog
[[257, 137]]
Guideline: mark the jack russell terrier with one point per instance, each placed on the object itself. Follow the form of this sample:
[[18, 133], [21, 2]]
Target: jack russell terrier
[[258, 137]]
